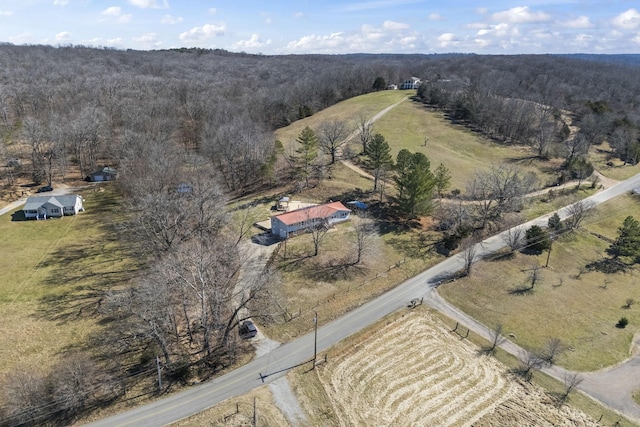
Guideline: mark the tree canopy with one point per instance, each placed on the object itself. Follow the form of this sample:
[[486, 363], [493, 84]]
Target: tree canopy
[[415, 183], [627, 244], [378, 157], [306, 154]]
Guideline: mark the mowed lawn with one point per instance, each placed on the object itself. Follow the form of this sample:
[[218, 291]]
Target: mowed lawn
[[408, 124], [461, 150], [53, 276], [348, 111], [579, 307]]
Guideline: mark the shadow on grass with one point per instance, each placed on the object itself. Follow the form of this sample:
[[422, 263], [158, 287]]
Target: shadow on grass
[[522, 290], [334, 270], [417, 245], [82, 273], [608, 266]]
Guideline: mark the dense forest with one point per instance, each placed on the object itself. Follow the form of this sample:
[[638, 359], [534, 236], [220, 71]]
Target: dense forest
[[206, 118]]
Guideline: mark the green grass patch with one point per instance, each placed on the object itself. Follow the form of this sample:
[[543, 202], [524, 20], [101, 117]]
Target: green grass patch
[[54, 273], [461, 150], [578, 306], [604, 160], [554, 200], [348, 111]]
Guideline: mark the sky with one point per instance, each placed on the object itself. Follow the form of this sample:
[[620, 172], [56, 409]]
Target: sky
[[273, 27]]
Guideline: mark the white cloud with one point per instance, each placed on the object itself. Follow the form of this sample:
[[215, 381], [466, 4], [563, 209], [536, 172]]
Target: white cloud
[[112, 11], [202, 34], [390, 36], [500, 30], [115, 42], [579, 22], [298, 15], [21, 38], [60, 2], [252, 43], [213, 11], [63, 37], [628, 20], [636, 39], [116, 12], [447, 39], [314, 43], [482, 43], [147, 39], [168, 19], [435, 17], [376, 4], [520, 15], [149, 4], [6, 13], [394, 26]]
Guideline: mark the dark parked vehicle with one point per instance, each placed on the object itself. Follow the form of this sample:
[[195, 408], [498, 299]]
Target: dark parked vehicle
[[45, 189], [248, 329]]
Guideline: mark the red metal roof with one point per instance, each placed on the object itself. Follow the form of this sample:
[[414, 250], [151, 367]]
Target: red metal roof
[[312, 212]]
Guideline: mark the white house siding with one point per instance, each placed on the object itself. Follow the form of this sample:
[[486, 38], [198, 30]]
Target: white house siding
[[52, 206]]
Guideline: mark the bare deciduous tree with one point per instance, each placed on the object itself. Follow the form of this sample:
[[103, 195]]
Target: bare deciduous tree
[[469, 248], [514, 237], [496, 339], [364, 230], [365, 131], [531, 362], [552, 348], [571, 381], [578, 212], [332, 137]]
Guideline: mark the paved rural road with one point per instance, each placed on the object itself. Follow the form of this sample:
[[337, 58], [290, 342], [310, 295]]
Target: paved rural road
[[275, 364]]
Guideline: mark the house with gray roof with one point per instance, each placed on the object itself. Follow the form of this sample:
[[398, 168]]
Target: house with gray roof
[[107, 173], [43, 207]]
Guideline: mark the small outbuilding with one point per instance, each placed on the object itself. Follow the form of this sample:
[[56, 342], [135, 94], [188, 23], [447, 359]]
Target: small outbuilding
[[43, 207], [105, 174]]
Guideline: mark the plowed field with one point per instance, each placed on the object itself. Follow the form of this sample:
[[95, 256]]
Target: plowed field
[[414, 371]]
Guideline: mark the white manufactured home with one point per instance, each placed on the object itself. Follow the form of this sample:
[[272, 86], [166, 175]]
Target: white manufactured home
[[43, 207]]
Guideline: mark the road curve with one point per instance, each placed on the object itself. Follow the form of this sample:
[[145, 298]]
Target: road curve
[[266, 368]]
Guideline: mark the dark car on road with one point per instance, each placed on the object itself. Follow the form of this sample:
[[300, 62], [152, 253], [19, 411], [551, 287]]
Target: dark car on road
[[45, 189], [247, 329]]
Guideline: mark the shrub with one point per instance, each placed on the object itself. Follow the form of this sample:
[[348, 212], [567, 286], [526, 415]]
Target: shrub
[[622, 323]]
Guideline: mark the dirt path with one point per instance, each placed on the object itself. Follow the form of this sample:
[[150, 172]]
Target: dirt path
[[287, 401], [353, 134]]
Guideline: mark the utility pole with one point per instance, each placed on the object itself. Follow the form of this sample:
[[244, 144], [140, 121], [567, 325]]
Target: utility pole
[[254, 419], [159, 374], [315, 339]]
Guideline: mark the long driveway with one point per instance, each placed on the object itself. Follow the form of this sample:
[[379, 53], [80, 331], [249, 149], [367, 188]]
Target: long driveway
[[273, 365]]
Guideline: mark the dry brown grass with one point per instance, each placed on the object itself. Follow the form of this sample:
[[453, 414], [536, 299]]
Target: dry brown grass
[[238, 411], [409, 369]]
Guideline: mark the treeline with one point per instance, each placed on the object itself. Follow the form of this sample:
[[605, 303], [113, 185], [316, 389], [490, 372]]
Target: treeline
[[535, 100], [190, 128]]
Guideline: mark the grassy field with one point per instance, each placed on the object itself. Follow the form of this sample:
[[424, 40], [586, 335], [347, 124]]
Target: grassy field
[[53, 272], [461, 150], [579, 307], [348, 111]]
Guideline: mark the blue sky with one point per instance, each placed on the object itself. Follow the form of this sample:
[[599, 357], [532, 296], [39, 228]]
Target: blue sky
[[331, 26]]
